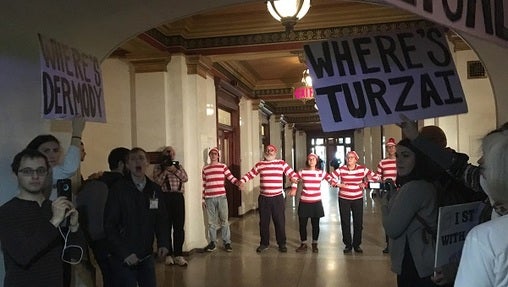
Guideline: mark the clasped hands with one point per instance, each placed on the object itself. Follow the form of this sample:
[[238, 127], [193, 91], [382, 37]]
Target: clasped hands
[[133, 260]]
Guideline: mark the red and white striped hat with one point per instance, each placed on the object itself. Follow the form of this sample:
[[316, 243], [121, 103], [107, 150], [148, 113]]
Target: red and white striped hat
[[312, 155], [354, 154], [271, 146], [214, 149], [391, 142]]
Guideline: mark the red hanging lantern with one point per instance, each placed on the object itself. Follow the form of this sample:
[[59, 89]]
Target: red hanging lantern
[[304, 93]]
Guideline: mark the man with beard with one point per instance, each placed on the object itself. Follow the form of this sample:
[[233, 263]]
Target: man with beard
[[32, 241], [134, 213], [270, 200], [91, 201]]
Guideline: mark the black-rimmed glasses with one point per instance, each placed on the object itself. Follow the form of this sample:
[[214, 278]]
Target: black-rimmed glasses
[[41, 171]]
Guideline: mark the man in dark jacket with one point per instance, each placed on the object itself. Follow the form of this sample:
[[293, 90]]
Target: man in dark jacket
[[134, 213], [91, 201]]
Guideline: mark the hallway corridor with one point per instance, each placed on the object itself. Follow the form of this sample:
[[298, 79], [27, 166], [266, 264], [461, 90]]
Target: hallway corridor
[[329, 267]]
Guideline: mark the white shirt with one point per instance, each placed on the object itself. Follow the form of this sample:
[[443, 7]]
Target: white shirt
[[67, 168], [484, 260]]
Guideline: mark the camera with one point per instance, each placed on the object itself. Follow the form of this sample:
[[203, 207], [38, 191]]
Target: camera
[[383, 188], [167, 162], [64, 188]]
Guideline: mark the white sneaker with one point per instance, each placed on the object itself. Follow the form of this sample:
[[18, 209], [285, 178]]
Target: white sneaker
[[169, 260], [180, 261]]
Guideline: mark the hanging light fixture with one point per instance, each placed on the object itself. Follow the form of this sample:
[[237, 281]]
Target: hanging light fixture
[[304, 92], [306, 79], [288, 12]]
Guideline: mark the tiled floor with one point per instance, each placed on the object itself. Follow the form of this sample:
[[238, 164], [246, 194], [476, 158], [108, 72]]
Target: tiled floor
[[330, 267]]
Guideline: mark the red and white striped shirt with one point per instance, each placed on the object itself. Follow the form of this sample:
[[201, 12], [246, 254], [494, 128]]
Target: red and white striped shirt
[[270, 176], [311, 180], [387, 168], [352, 179], [213, 176]]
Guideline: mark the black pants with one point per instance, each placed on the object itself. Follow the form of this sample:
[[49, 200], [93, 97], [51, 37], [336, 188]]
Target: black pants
[[130, 276], [102, 256], [175, 204], [314, 221], [409, 275], [346, 208], [272, 207]]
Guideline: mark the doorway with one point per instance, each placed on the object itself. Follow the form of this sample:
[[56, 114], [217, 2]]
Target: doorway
[[228, 138], [331, 149]]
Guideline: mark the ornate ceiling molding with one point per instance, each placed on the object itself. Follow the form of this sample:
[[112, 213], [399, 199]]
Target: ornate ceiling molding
[[226, 44], [274, 92]]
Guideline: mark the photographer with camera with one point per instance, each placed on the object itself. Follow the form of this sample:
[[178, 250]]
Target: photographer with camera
[[387, 169], [171, 176]]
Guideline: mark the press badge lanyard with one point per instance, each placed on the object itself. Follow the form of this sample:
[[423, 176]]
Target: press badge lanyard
[[154, 202]]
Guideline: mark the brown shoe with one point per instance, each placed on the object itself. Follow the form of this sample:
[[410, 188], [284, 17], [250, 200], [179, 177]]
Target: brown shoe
[[314, 248], [302, 248]]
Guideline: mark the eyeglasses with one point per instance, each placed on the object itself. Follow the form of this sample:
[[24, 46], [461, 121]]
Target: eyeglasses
[[41, 171], [270, 150]]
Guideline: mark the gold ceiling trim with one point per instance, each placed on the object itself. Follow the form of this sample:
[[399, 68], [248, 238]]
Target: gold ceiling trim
[[201, 45], [273, 92], [302, 120]]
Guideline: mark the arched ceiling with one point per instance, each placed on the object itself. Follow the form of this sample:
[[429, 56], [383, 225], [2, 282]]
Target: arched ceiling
[[245, 43]]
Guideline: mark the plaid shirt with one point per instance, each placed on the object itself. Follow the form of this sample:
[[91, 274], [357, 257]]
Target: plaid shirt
[[172, 182]]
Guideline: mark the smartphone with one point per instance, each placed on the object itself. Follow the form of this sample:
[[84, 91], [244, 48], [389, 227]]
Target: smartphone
[[64, 188]]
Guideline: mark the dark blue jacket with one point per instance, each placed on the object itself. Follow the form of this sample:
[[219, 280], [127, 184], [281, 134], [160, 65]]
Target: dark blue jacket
[[129, 222]]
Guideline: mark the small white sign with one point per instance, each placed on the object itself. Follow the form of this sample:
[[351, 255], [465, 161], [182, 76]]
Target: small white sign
[[454, 222]]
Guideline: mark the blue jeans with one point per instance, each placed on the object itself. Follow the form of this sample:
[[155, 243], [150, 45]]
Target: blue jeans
[[217, 211]]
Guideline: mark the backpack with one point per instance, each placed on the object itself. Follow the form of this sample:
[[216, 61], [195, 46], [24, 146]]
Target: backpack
[[90, 203]]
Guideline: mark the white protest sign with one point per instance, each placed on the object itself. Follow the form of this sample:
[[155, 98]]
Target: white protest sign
[[369, 80], [71, 83], [454, 222], [484, 19]]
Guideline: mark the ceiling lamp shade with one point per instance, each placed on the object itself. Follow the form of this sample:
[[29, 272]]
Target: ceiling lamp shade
[[288, 12], [304, 93]]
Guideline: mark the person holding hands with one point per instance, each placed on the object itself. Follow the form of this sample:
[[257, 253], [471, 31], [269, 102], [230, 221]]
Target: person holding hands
[[310, 205], [271, 200], [352, 183], [215, 201]]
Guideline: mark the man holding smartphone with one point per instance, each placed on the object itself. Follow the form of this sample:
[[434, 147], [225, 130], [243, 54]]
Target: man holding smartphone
[[29, 227]]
